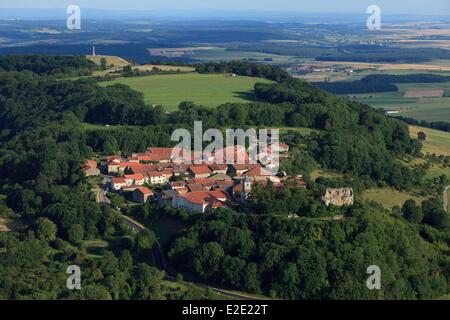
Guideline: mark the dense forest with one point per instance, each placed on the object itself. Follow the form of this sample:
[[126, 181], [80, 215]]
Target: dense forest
[[305, 259], [358, 86], [406, 78], [379, 83], [43, 145], [438, 125], [49, 65], [42, 190]]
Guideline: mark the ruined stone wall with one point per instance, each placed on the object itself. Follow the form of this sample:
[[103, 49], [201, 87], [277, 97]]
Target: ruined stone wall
[[338, 197]]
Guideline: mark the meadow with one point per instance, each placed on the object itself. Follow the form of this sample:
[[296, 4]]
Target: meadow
[[111, 61], [390, 197], [209, 90], [436, 141]]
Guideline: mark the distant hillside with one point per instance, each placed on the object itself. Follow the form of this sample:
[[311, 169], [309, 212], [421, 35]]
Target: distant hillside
[[111, 61]]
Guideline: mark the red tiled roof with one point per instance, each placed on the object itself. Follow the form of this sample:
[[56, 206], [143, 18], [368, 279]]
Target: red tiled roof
[[200, 169], [237, 188], [196, 187], [204, 197], [236, 152], [90, 164], [224, 184], [134, 177], [240, 167], [118, 180], [203, 181], [176, 184], [256, 172], [139, 168], [167, 172], [145, 191], [159, 150], [155, 174], [216, 167]]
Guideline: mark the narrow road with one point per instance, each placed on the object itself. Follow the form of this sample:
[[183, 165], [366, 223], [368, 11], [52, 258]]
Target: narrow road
[[445, 198], [160, 264], [157, 251], [158, 256], [101, 193]]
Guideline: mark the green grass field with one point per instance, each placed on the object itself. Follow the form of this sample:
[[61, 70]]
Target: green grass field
[[437, 141], [209, 90], [390, 197]]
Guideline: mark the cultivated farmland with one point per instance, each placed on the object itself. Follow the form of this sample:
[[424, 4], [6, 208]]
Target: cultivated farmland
[[424, 93]]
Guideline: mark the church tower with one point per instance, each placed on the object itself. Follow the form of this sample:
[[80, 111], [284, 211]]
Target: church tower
[[247, 188]]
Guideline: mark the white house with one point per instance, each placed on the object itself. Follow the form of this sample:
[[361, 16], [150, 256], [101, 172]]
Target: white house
[[156, 177], [118, 183]]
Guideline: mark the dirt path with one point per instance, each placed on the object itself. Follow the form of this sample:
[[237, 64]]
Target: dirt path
[[445, 198]]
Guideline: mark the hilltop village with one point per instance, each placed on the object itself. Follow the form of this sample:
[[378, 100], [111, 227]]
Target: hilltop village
[[155, 175]]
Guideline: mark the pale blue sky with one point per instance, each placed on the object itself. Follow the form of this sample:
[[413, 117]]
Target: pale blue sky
[[419, 7]]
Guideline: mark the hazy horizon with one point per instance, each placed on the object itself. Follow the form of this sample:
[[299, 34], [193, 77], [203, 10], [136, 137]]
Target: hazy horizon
[[388, 7]]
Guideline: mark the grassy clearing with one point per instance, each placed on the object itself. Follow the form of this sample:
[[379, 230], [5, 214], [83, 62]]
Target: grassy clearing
[[324, 174], [94, 247], [209, 90], [390, 197], [111, 61], [437, 171], [437, 141]]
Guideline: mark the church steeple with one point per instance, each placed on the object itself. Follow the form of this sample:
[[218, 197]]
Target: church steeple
[[246, 189]]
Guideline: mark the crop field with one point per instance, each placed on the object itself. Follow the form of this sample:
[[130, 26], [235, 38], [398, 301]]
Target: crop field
[[424, 93], [221, 54], [176, 52], [384, 66], [209, 90]]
